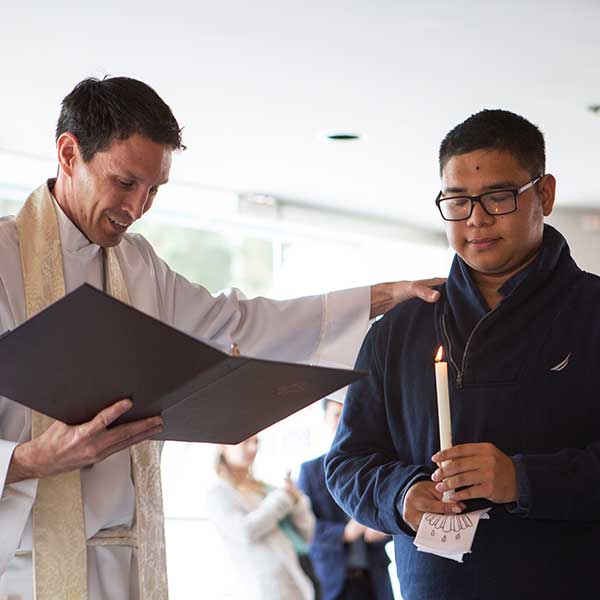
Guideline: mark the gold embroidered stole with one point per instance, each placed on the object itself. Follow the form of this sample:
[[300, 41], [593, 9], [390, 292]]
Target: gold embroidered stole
[[59, 541]]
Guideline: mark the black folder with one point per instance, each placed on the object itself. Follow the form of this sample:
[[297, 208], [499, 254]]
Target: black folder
[[88, 350]]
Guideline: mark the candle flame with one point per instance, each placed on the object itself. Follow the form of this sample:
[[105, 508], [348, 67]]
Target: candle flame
[[439, 355]]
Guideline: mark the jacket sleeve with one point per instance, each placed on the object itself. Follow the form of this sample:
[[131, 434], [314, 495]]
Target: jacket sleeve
[[325, 329], [327, 533], [564, 485], [365, 472], [226, 510]]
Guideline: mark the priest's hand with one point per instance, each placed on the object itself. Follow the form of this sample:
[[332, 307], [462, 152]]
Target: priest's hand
[[385, 296], [422, 497], [487, 471], [63, 448]]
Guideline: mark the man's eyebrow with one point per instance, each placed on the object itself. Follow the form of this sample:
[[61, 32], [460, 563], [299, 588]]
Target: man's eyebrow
[[125, 174], [496, 185], [129, 175], [501, 185]]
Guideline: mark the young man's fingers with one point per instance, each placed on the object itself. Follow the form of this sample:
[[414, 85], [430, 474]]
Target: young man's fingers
[[462, 480], [445, 508], [455, 467], [475, 491], [432, 505], [460, 451]]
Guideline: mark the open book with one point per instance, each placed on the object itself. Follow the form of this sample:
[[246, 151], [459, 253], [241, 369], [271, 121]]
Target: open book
[[88, 350]]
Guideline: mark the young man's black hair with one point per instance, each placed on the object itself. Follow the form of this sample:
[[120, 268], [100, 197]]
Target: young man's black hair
[[497, 130]]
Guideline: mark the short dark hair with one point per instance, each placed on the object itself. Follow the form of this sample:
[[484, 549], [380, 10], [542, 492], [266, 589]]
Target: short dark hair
[[497, 130], [99, 111]]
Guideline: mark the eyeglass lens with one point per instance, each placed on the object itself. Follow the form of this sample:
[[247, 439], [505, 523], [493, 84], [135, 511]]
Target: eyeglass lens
[[494, 203]]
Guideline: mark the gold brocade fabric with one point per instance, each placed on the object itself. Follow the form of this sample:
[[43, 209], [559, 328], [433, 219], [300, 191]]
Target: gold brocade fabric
[[145, 457], [59, 544]]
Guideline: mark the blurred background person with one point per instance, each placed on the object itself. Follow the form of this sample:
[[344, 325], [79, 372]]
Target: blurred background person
[[349, 559], [266, 530]]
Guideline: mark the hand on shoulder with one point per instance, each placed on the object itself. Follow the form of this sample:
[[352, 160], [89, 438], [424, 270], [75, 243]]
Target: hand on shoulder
[[384, 296]]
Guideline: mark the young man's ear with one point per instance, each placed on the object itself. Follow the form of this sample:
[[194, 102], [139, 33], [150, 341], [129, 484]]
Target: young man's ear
[[547, 190]]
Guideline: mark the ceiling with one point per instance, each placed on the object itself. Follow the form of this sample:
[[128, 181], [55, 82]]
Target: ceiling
[[256, 84]]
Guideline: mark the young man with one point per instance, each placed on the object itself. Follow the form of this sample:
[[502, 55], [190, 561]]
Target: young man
[[69, 494], [349, 559], [520, 326]]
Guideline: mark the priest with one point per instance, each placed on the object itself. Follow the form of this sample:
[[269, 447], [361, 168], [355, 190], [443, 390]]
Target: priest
[[80, 506]]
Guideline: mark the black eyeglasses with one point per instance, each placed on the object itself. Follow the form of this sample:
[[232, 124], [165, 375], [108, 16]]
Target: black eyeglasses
[[498, 202]]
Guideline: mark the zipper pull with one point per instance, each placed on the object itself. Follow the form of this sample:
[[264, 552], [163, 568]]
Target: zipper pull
[[459, 381]]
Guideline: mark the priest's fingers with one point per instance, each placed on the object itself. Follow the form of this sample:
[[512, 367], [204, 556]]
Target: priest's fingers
[[405, 290], [63, 447], [122, 433], [422, 289], [107, 416], [136, 439]]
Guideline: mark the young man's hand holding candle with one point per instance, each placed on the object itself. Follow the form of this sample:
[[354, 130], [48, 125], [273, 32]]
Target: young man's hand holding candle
[[482, 469], [485, 471], [421, 498]]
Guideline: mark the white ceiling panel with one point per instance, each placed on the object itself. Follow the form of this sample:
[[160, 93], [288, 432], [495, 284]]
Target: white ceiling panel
[[255, 84]]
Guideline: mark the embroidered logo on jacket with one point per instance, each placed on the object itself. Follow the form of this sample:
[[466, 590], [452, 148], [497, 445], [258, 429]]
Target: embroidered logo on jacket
[[562, 364]]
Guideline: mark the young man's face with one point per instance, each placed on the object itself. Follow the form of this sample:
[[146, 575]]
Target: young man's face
[[116, 187], [496, 245]]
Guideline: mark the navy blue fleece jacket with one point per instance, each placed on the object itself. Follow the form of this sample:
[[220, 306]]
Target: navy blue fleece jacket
[[524, 376]]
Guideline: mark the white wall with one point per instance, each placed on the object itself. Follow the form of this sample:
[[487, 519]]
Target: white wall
[[581, 227]]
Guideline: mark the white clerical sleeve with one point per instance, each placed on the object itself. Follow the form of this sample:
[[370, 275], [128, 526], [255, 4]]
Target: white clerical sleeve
[[15, 505], [6, 451], [16, 499], [327, 329]]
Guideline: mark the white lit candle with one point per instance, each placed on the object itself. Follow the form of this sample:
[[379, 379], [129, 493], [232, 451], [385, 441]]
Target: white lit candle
[[443, 403]]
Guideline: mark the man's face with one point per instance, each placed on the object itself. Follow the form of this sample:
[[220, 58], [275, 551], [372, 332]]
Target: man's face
[[114, 189], [496, 245]]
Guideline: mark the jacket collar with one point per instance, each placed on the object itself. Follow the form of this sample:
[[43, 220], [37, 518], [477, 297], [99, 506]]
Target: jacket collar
[[464, 321]]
